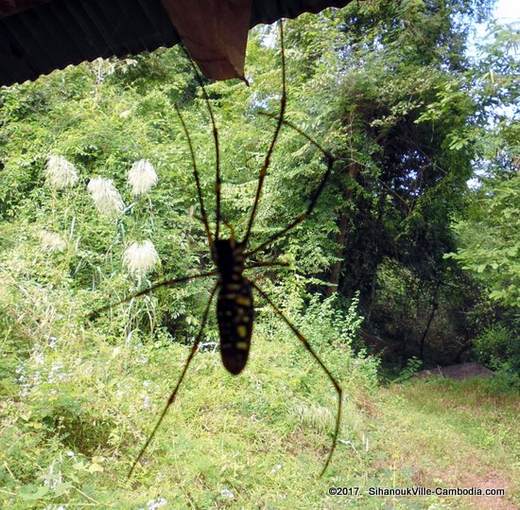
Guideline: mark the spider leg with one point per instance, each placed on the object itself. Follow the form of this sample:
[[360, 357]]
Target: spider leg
[[315, 196], [164, 283], [218, 178], [267, 160], [204, 217], [268, 263], [171, 398], [310, 350]]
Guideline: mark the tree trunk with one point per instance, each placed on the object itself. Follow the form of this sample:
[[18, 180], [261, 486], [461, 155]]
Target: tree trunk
[[341, 239], [337, 267], [435, 305]]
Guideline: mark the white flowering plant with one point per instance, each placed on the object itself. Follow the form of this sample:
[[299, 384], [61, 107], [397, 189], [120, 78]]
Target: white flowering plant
[[107, 199], [140, 258], [60, 173], [52, 242], [142, 177]]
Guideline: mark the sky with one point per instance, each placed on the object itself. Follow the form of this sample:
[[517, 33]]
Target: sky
[[508, 11]]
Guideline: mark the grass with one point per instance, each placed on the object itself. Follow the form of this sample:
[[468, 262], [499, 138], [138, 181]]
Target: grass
[[454, 433], [78, 403]]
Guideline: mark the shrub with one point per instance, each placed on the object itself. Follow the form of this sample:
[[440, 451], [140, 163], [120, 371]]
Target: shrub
[[496, 347], [328, 322], [413, 365]]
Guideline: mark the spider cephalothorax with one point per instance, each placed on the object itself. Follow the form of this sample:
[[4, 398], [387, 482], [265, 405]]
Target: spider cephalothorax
[[228, 256]]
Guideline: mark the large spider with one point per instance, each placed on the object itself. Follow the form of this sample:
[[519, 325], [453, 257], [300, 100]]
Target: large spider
[[235, 311]]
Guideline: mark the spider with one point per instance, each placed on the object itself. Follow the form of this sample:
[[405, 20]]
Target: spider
[[234, 290]]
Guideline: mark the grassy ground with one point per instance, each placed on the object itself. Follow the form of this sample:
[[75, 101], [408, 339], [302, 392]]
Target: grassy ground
[[77, 405], [453, 434]]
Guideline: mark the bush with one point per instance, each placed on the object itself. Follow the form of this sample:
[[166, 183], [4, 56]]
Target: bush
[[332, 327], [413, 365], [330, 323], [497, 347]]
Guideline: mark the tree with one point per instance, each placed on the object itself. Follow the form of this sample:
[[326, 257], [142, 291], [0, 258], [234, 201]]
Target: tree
[[489, 240], [403, 121]]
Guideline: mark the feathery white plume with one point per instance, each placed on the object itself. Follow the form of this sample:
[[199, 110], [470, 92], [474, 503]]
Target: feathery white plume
[[140, 258], [107, 199], [52, 242], [60, 173], [142, 177]]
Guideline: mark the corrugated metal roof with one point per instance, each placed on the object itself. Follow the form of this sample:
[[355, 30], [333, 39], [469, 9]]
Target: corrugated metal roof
[[10, 7], [45, 35]]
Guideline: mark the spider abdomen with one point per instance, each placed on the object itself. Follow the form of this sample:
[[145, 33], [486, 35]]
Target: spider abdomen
[[235, 315]]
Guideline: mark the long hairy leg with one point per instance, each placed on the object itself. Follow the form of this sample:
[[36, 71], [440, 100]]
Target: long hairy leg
[[204, 217], [218, 177], [267, 160], [171, 398], [310, 350], [315, 196], [267, 263], [164, 283]]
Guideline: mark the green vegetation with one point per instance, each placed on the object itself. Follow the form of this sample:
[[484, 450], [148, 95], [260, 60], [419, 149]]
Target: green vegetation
[[85, 402], [402, 266]]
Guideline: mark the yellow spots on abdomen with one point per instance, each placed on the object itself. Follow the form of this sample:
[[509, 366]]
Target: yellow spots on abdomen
[[243, 301], [243, 346], [241, 332]]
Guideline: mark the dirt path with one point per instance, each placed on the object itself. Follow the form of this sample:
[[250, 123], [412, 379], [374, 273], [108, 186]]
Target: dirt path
[[489, 480], [458, 372], [448, 433]]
